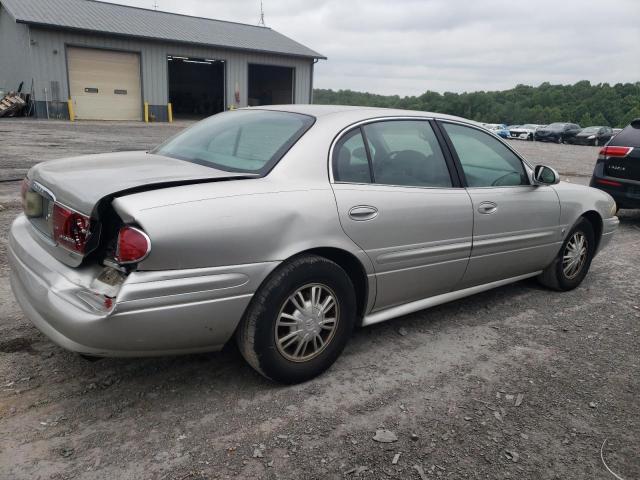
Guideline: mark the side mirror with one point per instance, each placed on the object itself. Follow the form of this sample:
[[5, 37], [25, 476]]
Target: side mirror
[[543, 175]]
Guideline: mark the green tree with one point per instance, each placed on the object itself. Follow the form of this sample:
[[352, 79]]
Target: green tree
[[582, 103]]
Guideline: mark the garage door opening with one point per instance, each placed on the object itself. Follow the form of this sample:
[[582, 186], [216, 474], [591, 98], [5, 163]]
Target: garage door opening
[[196, 87], [270, 85], [104, 84]]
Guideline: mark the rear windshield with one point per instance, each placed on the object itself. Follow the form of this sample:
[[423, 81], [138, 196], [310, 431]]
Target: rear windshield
[[628, 137], [249, 141]]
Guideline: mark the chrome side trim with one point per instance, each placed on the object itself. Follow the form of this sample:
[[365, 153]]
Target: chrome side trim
[[418, 305], [507, 239], [421, 253]]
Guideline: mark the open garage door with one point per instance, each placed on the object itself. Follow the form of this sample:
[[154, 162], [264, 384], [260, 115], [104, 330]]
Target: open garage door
[[270, 85], [104, 84], [196, 86]]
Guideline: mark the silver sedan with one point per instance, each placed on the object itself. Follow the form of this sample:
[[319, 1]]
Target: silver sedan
[[286, 227]]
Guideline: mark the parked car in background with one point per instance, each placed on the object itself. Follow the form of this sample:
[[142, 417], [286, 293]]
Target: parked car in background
[[593, 136], [524, 132], [499, 129], [616, 130], [617, 170], [557, 132], [284, 228]]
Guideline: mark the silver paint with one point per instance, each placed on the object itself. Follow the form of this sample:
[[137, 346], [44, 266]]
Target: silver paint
[[215, 242]]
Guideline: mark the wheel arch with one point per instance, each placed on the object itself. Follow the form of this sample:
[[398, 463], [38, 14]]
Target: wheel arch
[[596, 222], [354, 269]]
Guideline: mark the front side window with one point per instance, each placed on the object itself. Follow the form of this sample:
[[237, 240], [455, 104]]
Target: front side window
[[486, 162], [406, 153], [249, 141]]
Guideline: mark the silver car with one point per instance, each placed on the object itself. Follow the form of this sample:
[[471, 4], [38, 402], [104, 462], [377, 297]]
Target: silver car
[[286, 227]]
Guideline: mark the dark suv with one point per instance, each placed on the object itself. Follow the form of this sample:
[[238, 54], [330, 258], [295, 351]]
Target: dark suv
[[557, 132], [617, 171]]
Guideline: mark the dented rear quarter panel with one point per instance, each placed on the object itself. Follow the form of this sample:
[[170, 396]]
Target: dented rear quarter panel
[[291, 210]]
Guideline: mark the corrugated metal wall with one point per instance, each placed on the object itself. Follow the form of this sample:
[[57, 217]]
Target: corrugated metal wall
[[14, 51], [48, 62]]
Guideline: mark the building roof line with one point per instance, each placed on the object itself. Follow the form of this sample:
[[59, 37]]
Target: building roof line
[[156, 39], [134, 22], [178, 14]]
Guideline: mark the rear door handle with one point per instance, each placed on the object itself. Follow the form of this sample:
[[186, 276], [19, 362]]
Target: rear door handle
[[363, 212], [487, 208]]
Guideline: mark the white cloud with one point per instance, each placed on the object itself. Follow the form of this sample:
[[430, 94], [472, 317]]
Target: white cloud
[[408, 46]]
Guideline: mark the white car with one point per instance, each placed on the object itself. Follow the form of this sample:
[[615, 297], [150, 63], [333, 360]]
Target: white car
[[524, 132]]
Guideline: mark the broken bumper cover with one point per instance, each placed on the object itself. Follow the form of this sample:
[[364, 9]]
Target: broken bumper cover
[[154, 313]]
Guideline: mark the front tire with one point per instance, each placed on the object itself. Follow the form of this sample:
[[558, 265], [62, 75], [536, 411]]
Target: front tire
[[299, 321], [571, 266]]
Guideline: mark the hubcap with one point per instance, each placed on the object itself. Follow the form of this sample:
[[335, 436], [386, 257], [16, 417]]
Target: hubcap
[[575, 255], [307, 322]]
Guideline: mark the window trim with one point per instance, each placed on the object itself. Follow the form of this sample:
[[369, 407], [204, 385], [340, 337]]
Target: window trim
[[526, 165], [456, 181]]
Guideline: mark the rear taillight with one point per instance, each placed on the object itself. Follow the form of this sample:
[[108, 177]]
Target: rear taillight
[[70, 229], [609, 183], [133, 245], [615, 151]]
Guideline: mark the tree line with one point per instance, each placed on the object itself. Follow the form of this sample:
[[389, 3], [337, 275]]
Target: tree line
[[582, 103]]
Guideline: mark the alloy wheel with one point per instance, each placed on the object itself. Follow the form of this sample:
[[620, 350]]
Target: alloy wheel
[[307, 322], [575, 255]]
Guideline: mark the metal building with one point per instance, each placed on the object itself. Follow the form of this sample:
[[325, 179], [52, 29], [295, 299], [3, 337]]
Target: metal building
[[115, 62]]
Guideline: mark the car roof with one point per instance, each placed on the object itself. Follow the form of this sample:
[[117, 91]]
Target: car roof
[[351, 111]]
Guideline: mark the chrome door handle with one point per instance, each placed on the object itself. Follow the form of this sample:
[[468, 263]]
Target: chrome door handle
[[487, 208], [363, 212]]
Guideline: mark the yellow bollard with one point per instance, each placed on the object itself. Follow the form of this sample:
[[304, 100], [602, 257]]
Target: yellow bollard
[[170, 112], [146, 112], [72, 115]]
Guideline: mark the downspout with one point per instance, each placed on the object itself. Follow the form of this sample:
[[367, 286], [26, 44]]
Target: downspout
[[315, 60]]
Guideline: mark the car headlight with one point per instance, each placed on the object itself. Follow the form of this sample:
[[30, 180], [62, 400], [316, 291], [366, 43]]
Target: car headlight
[[591, 137]]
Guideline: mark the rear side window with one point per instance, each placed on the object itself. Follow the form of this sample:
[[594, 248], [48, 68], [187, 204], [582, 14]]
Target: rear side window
[[486, 162], [406, 153], [250, 141], [350, 159]]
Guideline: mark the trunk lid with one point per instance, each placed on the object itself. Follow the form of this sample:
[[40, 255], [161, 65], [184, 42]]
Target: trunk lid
[[81, 183]]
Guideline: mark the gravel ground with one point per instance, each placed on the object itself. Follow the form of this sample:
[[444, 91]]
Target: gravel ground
[[519, 382]]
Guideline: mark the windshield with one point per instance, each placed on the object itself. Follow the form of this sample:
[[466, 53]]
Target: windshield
[[591, 130], [530, 126], [556, 126], [249, 141]]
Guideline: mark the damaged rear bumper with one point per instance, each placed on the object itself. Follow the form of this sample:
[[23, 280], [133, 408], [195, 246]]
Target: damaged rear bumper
[[153, 313]]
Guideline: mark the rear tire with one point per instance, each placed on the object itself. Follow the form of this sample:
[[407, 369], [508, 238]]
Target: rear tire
[[299, 320], [572, 263]]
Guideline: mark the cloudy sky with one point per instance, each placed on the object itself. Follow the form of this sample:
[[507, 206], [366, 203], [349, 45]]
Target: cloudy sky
[[406, 47]]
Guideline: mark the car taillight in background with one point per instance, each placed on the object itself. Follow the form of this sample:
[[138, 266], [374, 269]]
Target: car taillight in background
[[70, 229], [615, 151], [133, 245]]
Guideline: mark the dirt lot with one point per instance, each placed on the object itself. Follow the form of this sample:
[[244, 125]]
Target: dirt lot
[[519, 382]]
